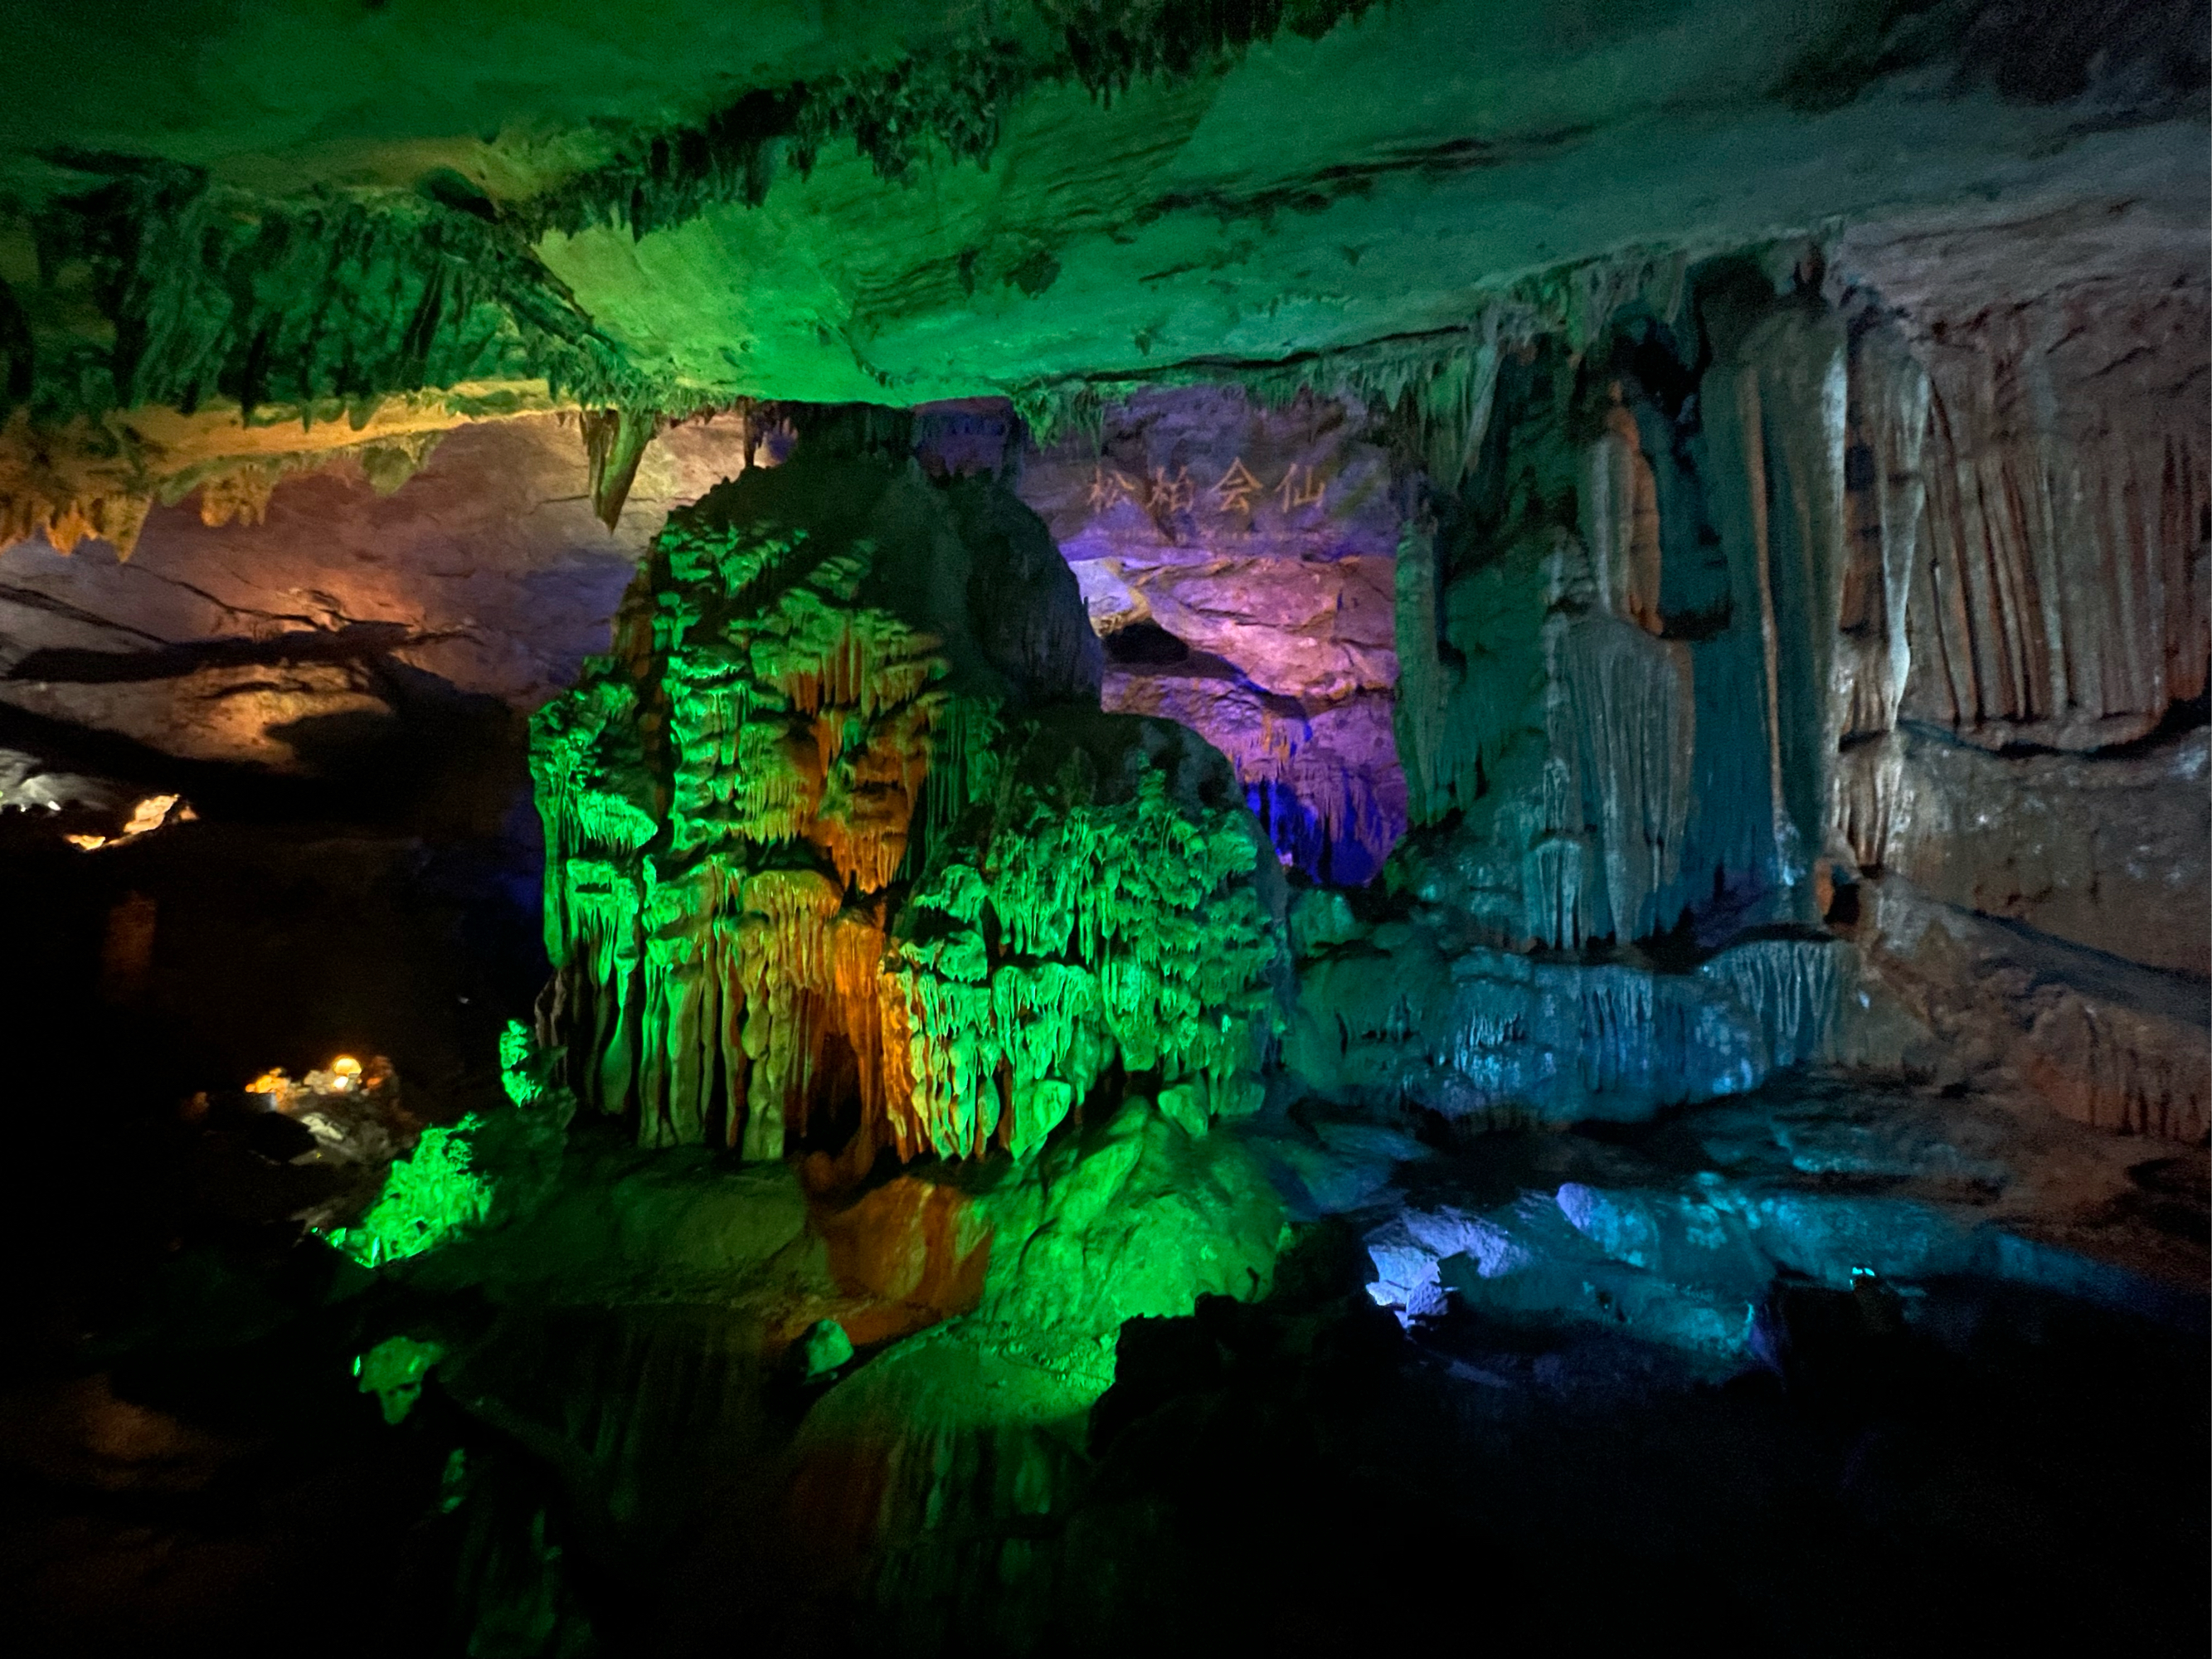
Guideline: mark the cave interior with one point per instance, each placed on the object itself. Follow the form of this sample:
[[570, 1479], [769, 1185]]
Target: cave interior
[[1071, 826]]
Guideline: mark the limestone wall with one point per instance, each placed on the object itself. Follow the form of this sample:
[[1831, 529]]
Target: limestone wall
[[1851, 598]]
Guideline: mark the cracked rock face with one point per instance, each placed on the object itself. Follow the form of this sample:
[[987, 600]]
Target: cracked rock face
[[2107, 852], [485, 575]]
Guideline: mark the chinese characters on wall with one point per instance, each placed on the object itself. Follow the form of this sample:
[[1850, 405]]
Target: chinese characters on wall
[[1234, 492]]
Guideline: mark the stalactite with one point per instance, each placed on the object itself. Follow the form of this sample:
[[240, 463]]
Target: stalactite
[[1310, 799], [1884, 508], [615, 441], [1622, 731], [1868, 799], [1424, 694], [1143, 941], [1501, 1034], [1668, 670], [1792, 988], [1621, 514]]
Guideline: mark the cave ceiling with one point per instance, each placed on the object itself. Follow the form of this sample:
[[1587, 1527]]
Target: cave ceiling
[[248, 215]]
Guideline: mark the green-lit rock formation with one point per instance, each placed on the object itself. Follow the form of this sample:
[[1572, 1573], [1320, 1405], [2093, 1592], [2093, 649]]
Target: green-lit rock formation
[[838, 826]]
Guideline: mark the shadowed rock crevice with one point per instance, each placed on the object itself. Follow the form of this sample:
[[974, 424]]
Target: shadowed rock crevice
[[362, 643]]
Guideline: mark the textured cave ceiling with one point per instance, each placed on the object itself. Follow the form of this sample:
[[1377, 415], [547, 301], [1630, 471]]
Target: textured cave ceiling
[[224, 201]]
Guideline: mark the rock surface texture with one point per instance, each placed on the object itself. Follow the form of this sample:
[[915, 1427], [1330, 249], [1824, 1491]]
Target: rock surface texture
[[840, 844]]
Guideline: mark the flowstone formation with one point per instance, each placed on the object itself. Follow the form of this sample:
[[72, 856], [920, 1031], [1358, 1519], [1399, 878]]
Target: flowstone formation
[[1727, 593], [839, 846]]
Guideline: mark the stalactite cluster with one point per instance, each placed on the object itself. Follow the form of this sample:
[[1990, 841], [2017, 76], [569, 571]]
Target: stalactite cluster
[[1127, 930], [1438, 388], [1724, 586], [172, 320], [836, 847], [212, 294], [1642, 609], [949, 97]]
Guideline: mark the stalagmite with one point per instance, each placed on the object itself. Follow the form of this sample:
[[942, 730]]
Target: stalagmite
[[817, 844]]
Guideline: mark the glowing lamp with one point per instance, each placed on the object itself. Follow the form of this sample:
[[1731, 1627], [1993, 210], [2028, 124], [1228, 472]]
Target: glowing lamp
[[149, 815], [345, 1072]]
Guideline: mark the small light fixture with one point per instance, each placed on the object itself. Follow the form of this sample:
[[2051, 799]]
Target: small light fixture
[[345, 1072]]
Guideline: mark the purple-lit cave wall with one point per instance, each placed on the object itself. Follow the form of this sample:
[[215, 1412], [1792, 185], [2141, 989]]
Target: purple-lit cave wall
[[1239, 562]]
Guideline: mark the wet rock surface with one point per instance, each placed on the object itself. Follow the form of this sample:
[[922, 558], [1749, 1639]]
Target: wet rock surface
[[1680, 1232]]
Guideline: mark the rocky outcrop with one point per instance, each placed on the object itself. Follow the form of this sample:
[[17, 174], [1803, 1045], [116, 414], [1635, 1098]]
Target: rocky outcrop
[[952, 1461], [2106, 1041], [645, 1342], [269, 639], [840, 845]]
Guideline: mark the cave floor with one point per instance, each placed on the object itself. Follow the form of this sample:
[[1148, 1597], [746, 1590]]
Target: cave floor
[[2000, 1450]]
